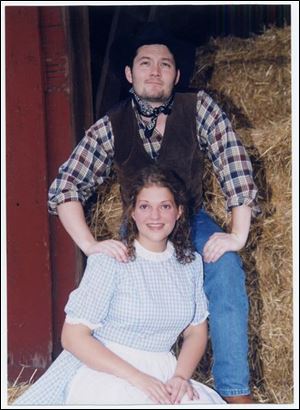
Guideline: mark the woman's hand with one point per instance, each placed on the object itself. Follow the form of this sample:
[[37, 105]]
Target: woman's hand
[[178, 386], [110, 247], [153, 388]]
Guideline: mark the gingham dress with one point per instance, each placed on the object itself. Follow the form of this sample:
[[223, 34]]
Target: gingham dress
[[142, 305]]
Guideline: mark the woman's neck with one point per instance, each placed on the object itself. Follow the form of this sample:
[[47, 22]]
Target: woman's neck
[[152, 246]]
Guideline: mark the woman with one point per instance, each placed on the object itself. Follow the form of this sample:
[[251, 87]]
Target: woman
[[123, 319]]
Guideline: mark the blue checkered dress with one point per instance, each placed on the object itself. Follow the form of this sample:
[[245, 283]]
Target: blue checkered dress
[[143, 304]]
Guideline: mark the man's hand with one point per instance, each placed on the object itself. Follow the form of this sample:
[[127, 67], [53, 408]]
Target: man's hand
[[110, 247], [219, 243], [178, 387]]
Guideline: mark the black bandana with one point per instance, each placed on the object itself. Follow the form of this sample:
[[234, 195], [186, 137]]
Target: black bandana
[[146, 110]]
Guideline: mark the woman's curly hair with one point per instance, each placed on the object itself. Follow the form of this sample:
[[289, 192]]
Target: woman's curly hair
[[181, 234]]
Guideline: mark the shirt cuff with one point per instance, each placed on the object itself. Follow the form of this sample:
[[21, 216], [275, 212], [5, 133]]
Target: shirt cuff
[[241, 200], [201, 320], [61, 199], [76, 321]]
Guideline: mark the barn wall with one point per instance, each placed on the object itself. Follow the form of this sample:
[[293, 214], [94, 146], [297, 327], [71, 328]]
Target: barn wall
[[43, 264], [28, 257]]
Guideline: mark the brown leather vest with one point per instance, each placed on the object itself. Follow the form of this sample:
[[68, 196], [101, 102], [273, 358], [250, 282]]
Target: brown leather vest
[[179, 149]]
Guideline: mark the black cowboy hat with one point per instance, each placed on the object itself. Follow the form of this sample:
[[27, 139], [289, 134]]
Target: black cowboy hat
[[123, 50]]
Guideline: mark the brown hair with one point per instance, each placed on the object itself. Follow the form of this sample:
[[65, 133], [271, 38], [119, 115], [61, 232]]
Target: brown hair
[[181, 234]]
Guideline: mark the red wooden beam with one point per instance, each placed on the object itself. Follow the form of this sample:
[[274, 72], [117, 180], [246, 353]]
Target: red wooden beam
[[43, 263], [28, 261], [61, 139]]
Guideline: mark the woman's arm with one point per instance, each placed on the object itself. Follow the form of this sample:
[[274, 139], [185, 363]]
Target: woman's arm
[[78, 340], [192, 350]]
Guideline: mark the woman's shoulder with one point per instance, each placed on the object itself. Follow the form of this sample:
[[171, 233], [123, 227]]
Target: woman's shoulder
[[197, 263], [99, 261], [99, 257], [100, 268], [198, 258], [104, 263]]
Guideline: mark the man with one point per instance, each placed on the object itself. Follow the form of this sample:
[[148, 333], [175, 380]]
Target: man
[[175, 130]]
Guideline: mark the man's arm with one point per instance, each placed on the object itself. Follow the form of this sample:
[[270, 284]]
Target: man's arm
[[87, 167], [233, 169], [72, 218], [222, 242]]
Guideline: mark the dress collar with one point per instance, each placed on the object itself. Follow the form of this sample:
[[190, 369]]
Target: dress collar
[[154, 256]]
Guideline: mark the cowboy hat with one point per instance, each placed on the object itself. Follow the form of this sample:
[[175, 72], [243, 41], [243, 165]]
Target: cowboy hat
[[123, 50]]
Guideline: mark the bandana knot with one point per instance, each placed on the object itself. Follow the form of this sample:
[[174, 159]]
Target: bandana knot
[[146, 110]]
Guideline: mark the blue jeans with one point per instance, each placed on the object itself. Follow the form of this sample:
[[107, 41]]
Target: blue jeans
[[224, 285]]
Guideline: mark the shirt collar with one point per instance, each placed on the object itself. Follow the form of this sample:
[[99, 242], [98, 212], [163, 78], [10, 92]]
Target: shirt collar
[[154, 256]]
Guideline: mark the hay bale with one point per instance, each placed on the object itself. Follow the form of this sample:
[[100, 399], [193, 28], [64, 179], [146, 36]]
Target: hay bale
[[254, 73], [267, 260], [104, 216], [273, 257], [250, 79]]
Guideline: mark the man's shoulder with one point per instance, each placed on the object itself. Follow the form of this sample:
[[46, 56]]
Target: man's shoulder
[[186, 94], [192, 95], [104, 123], [188, 101], [117, 107]]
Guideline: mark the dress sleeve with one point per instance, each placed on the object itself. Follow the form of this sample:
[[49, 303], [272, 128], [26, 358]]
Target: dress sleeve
[[89, 303], [201, 305]]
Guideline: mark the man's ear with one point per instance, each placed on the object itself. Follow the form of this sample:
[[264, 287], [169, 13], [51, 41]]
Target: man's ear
[[177, 77], [128, 74]]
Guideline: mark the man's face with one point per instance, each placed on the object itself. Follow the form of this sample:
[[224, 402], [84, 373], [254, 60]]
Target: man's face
[[153, 74]]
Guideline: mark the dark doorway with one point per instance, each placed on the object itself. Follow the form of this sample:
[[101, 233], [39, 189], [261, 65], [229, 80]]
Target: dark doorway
[[192, 23]]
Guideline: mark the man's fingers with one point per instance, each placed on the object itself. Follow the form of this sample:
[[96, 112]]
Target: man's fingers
[[115, 249]]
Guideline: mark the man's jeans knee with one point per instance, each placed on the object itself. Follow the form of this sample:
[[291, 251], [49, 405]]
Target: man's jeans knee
[[224, 284]]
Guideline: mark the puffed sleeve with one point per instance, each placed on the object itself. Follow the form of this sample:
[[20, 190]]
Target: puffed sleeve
[[201, 305], [89, 303]]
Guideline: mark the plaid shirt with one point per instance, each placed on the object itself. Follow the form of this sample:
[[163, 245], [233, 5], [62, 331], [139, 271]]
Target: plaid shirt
[[91, 161]]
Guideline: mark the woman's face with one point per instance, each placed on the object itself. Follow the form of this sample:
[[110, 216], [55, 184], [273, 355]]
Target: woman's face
[[155, 215]]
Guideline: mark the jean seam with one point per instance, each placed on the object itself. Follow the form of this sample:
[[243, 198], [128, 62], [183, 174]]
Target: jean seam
[[234, 392]]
